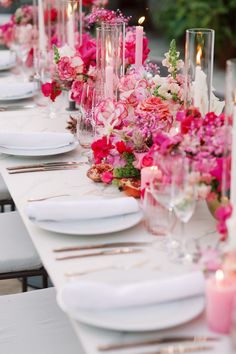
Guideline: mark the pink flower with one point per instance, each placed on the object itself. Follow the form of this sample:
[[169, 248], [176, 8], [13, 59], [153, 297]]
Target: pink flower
[[122, 147], [107, 177], [130, 44], [69, 67], [87, 50], [101, 148], [51, 89], [76, 90], [210, 259], [110, 113], [30, 58], [222, 214], [143, 159]]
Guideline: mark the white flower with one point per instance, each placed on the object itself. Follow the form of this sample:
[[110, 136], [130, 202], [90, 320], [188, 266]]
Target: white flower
[[66, 51]]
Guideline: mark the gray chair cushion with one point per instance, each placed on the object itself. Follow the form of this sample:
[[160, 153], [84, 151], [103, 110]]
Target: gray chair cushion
[[17, 251], [4, 193], [32, 323]]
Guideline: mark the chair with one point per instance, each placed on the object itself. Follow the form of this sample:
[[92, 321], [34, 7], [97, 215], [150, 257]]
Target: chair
[[33, 323], [18, 257], [5, 197]]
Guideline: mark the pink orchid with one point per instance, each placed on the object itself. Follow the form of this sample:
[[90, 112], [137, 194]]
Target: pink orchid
[[110, 114]]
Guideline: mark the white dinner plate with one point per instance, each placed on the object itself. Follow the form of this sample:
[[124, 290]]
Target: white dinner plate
[[20, 97], [38, 152], [92, 226], [7, 66], [143, 318]]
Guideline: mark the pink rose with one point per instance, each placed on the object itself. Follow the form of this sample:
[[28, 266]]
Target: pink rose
[[76, 91], [66, 70]]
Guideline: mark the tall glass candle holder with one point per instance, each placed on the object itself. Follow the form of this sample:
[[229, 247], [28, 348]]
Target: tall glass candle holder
[[111, 49], [199, 58], [231, 117], [71, 13]]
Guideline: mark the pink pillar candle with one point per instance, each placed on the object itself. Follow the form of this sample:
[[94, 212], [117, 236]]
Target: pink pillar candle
[[139, 47], [109, 81], [221, 293]]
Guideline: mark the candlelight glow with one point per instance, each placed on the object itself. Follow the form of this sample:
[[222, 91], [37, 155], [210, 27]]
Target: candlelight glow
[[219, 275], [141, 20], [235, 97], [199, 55]]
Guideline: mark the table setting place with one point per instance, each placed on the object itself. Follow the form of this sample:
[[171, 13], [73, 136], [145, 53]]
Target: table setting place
[[122, 177]]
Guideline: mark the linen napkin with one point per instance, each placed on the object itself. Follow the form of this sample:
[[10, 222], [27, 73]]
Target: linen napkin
[[7, 58], [94, 295], [72, 210], [16, 89], [35, 140]]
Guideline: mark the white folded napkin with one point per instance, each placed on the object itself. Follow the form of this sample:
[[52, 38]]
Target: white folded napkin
[[7, 58], [70, 210], [16, 89], [100, 296], [35, 140]]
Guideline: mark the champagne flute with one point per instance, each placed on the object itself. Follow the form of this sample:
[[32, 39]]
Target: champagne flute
[[184, 202]]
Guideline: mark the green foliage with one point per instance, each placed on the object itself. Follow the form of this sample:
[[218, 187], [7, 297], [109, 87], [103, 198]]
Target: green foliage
[[56, 54], [176, 16], [128, 171]]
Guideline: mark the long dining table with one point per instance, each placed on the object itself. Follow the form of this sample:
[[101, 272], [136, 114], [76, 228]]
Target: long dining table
[[75, 183]]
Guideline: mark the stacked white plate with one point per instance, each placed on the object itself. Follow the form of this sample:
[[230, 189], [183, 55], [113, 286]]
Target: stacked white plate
[[7, 59]]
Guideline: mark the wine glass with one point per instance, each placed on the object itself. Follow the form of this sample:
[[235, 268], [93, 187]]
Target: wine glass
[[184, 202], [85, 119], [161, 189]]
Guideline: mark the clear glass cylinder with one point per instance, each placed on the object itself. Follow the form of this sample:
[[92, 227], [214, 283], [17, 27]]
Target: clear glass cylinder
[[111, 56], [199, 60], [230, 110], [71, 17]]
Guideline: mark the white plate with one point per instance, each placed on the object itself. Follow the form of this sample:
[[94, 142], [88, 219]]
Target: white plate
[[38, 152], [20, 97], [140, 319], [7, 66], [92, 227]]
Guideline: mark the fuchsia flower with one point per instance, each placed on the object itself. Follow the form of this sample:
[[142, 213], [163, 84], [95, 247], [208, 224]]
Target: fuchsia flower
[[121, 147], [87, 50], [222, 214], [101, 148], [51, 89], [107, 177], [130, 44], [76, 90]]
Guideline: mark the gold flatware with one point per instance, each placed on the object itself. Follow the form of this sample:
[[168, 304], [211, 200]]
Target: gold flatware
[[44, 164], [13, 107], [44, 169], [102, 245], [180, 350], [155, 341], [102, 253]]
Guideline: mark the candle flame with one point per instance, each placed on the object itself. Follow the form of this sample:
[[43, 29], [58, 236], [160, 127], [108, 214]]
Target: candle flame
[[199, 55], [235, 97], [141, 20], [219, 275]]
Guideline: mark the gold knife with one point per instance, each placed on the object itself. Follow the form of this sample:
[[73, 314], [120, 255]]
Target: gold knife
[[174, 339], [102, 245], [102, 253]]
